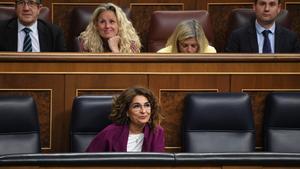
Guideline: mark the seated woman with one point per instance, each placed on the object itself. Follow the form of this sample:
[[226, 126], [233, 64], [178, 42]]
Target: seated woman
[[109, 31], [188, 37], [136, 117]]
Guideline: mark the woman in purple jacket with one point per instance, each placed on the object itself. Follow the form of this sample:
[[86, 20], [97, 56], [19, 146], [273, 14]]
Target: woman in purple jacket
[[136, 118]]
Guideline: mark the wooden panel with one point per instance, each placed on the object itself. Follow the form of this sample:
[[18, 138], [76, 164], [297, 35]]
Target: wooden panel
[[242, 167], [48, 92], [172, 89], [219, 13], [11, 4], [258, 86], [43, 99], [61, 15], [171, 77]]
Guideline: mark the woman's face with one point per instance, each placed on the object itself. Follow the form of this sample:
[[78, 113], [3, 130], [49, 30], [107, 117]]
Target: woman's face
[[189, 45], [139, 111], [107, 24]]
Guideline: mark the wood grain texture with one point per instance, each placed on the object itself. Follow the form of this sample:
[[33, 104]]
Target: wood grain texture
[[47, 91], [170, 77], [258, 86]]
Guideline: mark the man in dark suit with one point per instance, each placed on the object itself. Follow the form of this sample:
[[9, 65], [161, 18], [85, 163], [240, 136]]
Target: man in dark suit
[[263, 35], [27, 33]]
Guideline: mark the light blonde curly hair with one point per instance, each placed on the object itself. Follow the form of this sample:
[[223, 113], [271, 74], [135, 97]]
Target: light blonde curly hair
[[188, 29], [128, 35]]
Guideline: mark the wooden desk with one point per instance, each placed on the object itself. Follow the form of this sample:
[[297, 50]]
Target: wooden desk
[[54, 79]]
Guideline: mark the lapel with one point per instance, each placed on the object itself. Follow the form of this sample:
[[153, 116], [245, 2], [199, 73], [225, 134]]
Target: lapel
[[44, 38], [146, 138], [278, 39], [12, 35], [252, 38], [121, 138]]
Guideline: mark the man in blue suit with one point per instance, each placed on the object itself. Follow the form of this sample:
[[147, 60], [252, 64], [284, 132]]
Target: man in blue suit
[[263, 35], [27, 33]]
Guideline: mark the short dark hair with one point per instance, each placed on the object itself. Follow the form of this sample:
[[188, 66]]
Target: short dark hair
[[38, 1], [122, 102], [279, 1]]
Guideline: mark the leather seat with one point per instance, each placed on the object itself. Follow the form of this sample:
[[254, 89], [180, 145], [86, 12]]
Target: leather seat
[[19, 125], [10, 12], [218, 122], [163, 23], [89, 116], [282, 122]]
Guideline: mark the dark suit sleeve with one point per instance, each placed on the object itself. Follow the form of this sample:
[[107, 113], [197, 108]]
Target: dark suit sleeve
[[297, 45], [59, 40]]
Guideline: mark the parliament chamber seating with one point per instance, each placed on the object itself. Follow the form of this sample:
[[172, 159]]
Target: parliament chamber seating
[[9, 12], [80, 18], [19, 125], [163, 23], [242, 16], [282, 122], [218, 122], [89, 116]]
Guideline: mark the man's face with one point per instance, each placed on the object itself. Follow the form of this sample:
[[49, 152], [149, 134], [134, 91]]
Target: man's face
[[27, 11], [266, 11]]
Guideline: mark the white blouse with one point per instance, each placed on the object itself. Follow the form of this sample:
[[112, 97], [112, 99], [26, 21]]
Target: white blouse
[[135, 142]]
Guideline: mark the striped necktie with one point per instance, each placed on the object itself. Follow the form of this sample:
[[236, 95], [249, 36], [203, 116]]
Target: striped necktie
[[27, 46]]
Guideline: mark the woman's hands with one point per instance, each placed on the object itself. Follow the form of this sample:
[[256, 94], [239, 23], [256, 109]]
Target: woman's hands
[[113, 44]]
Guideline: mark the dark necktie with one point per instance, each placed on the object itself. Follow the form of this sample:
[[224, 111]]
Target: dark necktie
[[27, 46], [267, 44]]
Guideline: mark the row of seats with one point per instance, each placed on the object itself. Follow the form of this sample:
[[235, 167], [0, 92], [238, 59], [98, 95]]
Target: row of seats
[[212, 122], [223, 122], [162, 23]]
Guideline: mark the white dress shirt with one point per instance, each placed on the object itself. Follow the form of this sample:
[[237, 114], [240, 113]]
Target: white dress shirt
[[34, 35], [260, 37]]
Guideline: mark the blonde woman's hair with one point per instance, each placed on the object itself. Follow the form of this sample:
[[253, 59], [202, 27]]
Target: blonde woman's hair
[[128, 36], [188, 29]]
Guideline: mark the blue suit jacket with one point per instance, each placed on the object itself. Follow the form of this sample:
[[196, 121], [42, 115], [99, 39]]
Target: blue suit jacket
[[244, 40], [51, 37]]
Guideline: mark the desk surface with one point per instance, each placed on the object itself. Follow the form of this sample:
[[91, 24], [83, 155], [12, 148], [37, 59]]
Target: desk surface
[[148, 63]]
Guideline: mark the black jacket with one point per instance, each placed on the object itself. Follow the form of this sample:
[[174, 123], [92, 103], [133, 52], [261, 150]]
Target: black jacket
[[51, 37]]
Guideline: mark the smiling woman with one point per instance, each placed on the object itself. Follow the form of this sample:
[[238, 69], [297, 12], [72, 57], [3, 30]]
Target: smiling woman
[[109, 31], [136, 118]]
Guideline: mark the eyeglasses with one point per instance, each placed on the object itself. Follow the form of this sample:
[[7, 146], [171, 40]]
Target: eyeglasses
[[28, 3], [139, 107]]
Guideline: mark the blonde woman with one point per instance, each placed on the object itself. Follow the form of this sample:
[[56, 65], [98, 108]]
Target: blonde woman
[[109, 31], [188, 37]]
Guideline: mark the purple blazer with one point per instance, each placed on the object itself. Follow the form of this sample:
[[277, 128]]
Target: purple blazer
[[114, 138]]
